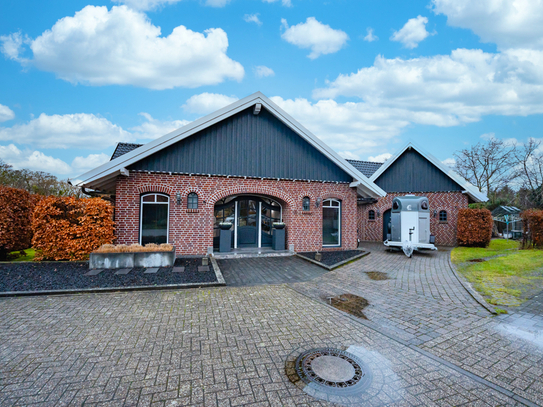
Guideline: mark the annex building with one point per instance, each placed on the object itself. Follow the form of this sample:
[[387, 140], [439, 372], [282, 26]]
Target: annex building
[[251, 164]]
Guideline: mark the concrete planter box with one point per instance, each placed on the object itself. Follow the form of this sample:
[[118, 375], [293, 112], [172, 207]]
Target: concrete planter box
[[130, 260]]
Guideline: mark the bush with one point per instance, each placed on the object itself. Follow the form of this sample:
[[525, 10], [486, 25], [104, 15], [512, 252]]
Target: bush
[[532, 222], [474, 227], [15, 220], [67, 228]]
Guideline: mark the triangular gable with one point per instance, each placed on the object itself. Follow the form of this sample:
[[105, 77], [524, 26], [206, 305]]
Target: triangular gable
[[414, 170], [104, 176]]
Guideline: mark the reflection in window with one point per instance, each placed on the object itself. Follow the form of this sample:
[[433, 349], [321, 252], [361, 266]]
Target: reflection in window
[[331, 223], [306, 203], [443, 216], [154, 218], [371, 215], [192, 201]]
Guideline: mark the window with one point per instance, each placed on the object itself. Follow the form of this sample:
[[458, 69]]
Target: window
[[371, 215], [154, 218], [306, 203], [192, 201], [443, 216], [331, 223]]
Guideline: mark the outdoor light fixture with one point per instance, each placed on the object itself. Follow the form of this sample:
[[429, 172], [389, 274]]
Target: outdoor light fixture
[[378, 213], [435, 213], [178, 198], [318, 202]]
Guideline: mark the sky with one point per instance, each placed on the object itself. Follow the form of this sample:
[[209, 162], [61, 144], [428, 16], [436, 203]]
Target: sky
[[366, 77]]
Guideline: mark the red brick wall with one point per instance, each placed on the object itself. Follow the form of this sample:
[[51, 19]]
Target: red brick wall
[[192, 231], [445, 232]]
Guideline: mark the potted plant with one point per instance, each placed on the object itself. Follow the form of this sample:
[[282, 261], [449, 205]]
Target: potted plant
[[225, 225], [278, 225]]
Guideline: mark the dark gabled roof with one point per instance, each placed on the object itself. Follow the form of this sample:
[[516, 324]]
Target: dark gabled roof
[[365, 167], [123, 148]]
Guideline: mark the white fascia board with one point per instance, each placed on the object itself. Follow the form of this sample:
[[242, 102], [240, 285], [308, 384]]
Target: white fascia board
[[469, 188], [175, 136]]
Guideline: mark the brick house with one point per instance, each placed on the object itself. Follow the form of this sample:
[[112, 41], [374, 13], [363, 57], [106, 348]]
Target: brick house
[[250, 164]]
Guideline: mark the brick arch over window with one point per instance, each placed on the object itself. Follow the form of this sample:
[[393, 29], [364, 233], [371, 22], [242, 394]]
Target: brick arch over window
[[144, 189], [256, 190]]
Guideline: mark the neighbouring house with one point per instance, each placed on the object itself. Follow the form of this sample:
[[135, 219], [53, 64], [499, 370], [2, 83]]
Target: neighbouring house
[[252, 164]]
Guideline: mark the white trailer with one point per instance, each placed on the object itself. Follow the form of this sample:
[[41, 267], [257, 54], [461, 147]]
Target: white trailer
[[409, 227]]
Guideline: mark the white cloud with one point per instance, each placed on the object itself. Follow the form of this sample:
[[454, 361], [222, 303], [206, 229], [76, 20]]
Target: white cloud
[[6, 113], [12, 46], [413, 32], [447, 90], [349, 155], [122, 47], [286, 3], [507, 23], [145, 4], [320, 38], [370, 37], [358, 128], [33, 160], [80, 130], [252, 18], [217, 3], [205, 103], [449, 162], [154, 128], [81, 165], [381, 158], [262, 71]]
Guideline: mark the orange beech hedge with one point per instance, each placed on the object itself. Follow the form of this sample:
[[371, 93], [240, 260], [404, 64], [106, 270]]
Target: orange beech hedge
[[474, 227], [532, 222], [67, 228], [15, 220]]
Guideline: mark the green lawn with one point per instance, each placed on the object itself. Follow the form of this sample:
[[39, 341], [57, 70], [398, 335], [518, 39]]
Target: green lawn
[[503, 274], [30, 253]]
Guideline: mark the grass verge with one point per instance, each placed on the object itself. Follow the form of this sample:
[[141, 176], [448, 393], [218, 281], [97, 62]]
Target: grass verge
[[503, 274], [27, 256]]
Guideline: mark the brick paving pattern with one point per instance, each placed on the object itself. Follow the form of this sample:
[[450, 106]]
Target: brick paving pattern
[[268, 270], [200, 347]]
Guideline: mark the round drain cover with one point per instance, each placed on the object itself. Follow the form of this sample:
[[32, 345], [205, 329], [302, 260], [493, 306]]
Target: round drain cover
[[333, 371]]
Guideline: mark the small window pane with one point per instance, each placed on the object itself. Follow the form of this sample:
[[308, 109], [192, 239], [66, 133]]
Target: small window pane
[[306, 203], [443, 216], [149, 198], [161, 198], [371, 215], [192, 201]]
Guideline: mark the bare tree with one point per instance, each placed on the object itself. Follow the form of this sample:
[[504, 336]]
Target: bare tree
[[529, 171], [488, 166]]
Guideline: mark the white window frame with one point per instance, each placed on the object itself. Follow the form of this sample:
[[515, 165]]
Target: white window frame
[[339, 219], [155, 203]]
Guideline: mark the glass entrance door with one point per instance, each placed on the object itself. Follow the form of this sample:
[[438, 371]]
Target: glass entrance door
[[247, 223]]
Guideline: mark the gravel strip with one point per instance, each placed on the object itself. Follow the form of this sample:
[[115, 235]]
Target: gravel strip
[[331, 258], [37, 276]]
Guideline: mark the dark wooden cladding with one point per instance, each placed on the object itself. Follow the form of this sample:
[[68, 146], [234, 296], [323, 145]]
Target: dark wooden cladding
[[246, 145], [411, 172]]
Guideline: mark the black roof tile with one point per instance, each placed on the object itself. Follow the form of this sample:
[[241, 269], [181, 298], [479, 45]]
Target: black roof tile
[[123, 148], [367, 168]]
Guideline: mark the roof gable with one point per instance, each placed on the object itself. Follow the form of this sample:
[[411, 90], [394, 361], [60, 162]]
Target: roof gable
[[414, 170], [104, 176], [367, 168]]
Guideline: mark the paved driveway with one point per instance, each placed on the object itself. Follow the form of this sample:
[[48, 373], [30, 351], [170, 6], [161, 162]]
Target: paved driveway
[[428, 342]]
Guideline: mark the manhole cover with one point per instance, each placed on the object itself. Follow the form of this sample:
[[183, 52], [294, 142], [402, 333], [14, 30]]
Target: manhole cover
[[333, 371]]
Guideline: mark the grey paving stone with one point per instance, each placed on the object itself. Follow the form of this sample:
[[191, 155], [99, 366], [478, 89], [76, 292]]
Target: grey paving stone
[[203, 268], [178, 269], [93, 272], [151, 270], [123, 271]]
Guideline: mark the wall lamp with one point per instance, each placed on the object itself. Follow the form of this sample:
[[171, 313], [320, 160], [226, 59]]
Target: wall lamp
[[435, 213], [318, 202], [178, 198], [378, 213]]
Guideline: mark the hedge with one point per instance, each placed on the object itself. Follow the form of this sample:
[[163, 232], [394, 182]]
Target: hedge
[[532, 222], [68, 228], [16, 207], [474, 227]]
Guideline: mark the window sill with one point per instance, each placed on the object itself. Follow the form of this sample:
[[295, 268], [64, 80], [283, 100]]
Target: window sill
[[443, 223], [307, 212], [371, 220], [193, 210]]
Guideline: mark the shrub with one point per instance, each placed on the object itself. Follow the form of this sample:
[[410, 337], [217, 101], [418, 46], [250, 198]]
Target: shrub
[[532, 222], [15, 220], [474, 227], [67, 228]]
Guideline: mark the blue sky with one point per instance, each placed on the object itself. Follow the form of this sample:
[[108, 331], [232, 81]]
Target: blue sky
[[76, 77]]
